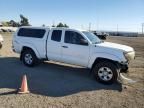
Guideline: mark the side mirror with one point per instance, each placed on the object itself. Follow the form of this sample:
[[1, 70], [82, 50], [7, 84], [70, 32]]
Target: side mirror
[[84, 42]]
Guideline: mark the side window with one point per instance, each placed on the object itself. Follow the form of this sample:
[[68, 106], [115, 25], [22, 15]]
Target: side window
[[73, 38], [28, 32], [56, 35]]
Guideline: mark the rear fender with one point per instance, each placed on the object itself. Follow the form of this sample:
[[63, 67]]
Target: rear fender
[[30, 46]]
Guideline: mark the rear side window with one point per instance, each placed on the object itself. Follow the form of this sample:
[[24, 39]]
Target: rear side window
[[56, 35], [28, 32]]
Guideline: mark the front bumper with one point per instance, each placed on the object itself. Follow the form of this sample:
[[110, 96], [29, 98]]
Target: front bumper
[[124, 65], [123, 68], [13, 50]]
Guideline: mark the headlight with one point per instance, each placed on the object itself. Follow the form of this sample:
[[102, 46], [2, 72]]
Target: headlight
[[129, 55]]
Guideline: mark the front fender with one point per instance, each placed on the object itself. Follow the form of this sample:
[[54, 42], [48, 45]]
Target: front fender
[[103, 55]]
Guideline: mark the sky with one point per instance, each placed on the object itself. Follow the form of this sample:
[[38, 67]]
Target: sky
[[121, 15]]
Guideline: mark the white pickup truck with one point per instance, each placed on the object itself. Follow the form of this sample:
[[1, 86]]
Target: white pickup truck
[[78, 47]]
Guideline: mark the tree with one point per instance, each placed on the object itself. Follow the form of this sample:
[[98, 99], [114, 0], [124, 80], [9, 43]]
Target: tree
[[43, 25], [14, 24], [5, 23], [53, 25], [66, 26], [24, 21], [62, 25]]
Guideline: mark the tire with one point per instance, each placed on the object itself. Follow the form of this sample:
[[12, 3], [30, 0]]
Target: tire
[[29, 58], [106, 72]]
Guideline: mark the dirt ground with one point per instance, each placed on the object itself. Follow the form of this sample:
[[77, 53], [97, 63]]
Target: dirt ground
[[58, 85]]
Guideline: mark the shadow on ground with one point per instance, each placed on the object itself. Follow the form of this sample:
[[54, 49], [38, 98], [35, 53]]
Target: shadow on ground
[[49, 79]]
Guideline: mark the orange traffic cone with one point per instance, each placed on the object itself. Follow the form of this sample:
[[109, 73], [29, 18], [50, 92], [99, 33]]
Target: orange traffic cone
[[24, 86]]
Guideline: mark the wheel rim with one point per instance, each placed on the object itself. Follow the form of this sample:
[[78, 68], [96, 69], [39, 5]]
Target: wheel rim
[[105, 73], [28, 58]]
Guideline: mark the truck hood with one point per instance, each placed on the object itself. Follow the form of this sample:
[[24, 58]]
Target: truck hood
[[116, 46]]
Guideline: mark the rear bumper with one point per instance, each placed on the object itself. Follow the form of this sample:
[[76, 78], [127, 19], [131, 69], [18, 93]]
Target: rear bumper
[[1, 45], [13, 50]]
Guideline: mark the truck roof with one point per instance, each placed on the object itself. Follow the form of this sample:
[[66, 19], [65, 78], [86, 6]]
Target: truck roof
[[46, 27]]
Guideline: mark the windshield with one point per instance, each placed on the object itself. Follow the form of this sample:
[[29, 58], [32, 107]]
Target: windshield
[[93, 38]]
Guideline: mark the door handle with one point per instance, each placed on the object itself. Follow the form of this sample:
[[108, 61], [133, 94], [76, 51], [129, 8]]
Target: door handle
[[65, 46]]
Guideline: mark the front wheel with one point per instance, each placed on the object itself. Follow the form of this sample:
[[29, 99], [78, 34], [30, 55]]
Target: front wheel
[[106, 72]]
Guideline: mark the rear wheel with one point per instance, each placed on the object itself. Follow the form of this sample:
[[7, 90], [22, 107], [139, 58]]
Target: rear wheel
[[106, 72], [29, 58]]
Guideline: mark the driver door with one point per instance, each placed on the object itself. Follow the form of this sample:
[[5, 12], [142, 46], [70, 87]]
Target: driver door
[[75, 49]]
